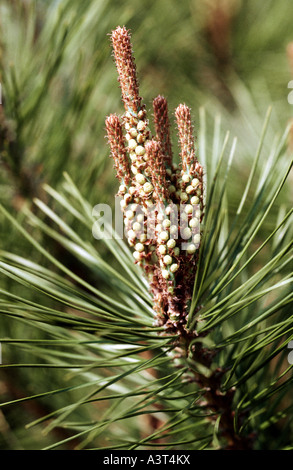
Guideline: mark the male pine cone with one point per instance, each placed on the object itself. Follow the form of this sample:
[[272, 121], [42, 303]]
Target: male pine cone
[[162, 202]]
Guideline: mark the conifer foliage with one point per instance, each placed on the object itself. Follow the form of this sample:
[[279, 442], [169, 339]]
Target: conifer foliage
[[179, 335]]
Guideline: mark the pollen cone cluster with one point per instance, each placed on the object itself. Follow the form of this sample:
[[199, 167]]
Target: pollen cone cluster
[[162, 202]]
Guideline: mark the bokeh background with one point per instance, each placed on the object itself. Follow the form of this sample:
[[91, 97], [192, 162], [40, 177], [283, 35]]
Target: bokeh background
[[230, 59]]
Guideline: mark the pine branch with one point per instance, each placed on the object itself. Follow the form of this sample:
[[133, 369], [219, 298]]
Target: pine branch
[[157, 348]]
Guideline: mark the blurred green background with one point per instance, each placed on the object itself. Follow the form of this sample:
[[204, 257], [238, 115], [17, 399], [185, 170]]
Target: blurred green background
[[230, 58]]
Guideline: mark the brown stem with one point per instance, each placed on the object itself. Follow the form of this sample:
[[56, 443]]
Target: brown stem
[[219, 403]]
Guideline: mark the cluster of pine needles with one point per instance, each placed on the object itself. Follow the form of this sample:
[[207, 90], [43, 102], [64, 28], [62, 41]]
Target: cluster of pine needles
[[131, 344]]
